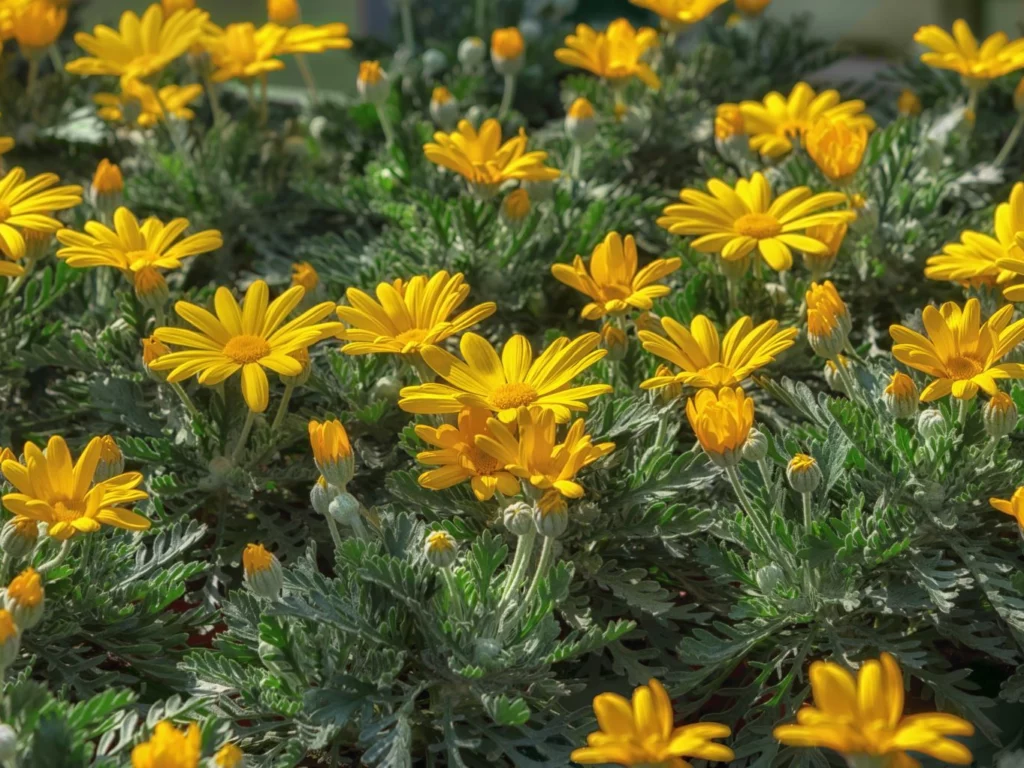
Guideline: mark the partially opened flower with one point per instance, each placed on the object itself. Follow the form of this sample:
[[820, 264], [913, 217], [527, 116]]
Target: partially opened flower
[[735, 221], [408, 315], [862, 719], [246, 339], [138, 104], [170, 748], [721, 420], [30, 205], [613, 281], [37, 26], [332, 452], [504, 384], [828, 320], [729, 122], [52, 488], [679, 14], [775, 123], [960, 52], [483, 160], [455, 457], [832, 235], [615, 54], [1014, 506], [708, 362], [130, 247], [960, 352], [139, 48], [643, 733], [837, 148]]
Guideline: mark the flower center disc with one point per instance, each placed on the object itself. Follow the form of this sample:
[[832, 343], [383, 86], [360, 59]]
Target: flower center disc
[[247, 349], [513, 396], [793, 129], [66, 511], [963, 367], [480, 462], [411, 339], [758, 225]]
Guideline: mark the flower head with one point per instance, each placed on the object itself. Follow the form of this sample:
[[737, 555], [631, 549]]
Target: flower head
[[37, 25], [960, 352], [737, 221], [901, 395], [908, 103], [504, 384], [729, 122], [679, 14], [246, 339], [440, 549], [245, 51], [304, 274], [775, 122], [642, 733], [408, 315], [51, 488], [131, 248], [107, 179], [24, 598], [722, 420], [615, 54], [613, 282], [332, 451], [456, 458], [283, 12], [709, 362], [139, 48], [152, 349], [138, 104], [1014, 506], [862, 717], [229, 756], [507, 49], [482, 159], [30, 205], [836, 147], [169, 748], [832, 235], [960, 52], [828, 320]]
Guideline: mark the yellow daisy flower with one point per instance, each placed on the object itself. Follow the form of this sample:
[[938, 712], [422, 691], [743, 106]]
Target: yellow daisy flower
[[29, 205], [775, 122], [613, 281], [643, 732], [707, 362], [130, 247], [246, 339], [736, 221], [1014, 506], [482, 159], [862, 718], [140, 105], [170, 748], [408, 315], [960, 52], [837, 148], [457, 458], [979, 259], [679, 14], [504, 384], [960, 352], [37, 26], [721, 420], [51, 488], [533, 453], [245, 51], [139, 48], [615, 54]]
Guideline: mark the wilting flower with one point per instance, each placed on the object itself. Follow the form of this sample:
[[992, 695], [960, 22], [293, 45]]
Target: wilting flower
[[908, 103], [960, 52], [507, 49], [613, 282], [332, 452], [504, 384], [483, 160], [707, 362], [615, 54], [408, 315], [245, 51], [828, 320], [1014, 506], [862, 718], [457, 459], [832, 235], [678, 14], [901, 396], [643, 733], [722, 420], [130, 247], [169, 748], [262, 571], [729, 122], [836, 147], [52, 489], [283, 12], [230, 756], [777, 121], [533, 453], [736, 221], [37, 25], [140, 48], [960, 352], [246, 339], [140, 105], [30, 205]]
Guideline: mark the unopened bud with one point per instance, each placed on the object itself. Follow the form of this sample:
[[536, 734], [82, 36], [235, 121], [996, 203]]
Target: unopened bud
[[756, 447], [768, 578], [151, 288], [531, 30], [518, 518], [1000, 415], [901, 396], [515, 207], [440, 549], [930, 423], [581, 121], [372, 83], [614, 340], [262, 572], [803, 473], [444, 109], [434, 61], [386, 388], [10, 639], [472, 51], [322, 495], [24, 598], [18, 537], [111, 463], [344, 509], [551, 515], [507, 49]]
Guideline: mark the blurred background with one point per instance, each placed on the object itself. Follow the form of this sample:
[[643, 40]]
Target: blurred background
[[874, 29]]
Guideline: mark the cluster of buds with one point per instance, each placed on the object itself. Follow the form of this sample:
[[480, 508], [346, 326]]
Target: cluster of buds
[[333, 455]]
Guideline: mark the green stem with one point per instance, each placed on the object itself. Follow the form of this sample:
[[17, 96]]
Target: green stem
[[160, 316], [481, 18], [211, 94], [507, 97], [264, 100], [33, 77], [385, 124], [524, 548], [805, 500], [547, 553], [766, 473], [57, 559], [454, 595], [962, 408], [57, 60], [185, 399], [335, 533], [405, 10], [1011, 141], [250, 419], [165, 114], [282, 408], [577, 161], [849, 383], [748, 507], [307, 77]]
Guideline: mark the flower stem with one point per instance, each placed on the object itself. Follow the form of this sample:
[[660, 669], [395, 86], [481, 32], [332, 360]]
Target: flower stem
[[243, 436], [962, 409], [405, 10], [547, 552], [1011, 142], [805, 500], [57, 559], [524, 548], [454, 595], [264, 99], [481, 18], [33, 77], [507, 96], [849, 383], [307, 77], [748, 507], [282, 408], [577, 161], [214, 99], [385, 124], [185, 399], [335, 533]]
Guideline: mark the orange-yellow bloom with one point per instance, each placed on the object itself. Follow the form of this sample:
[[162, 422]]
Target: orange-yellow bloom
[[1014, 506], [960, 52], [615, 54], [722, 420]]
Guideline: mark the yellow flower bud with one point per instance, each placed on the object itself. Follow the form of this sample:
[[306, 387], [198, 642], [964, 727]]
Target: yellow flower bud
[[305, 275], [901, 396], [507, 48], [803, 473], [908, 103]]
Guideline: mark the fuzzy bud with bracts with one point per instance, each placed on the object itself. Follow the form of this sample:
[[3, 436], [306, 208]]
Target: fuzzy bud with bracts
[[262, 572], [344, 509], [444, 109], [614, 340], [518, 518], [551, 515], [440, 549], [387, 387], [18, 537], [302, 355], [107, 188], [321, 496], [1000, 415], [803, 473], [151, 289], [332, 452], [507, 49], [581, 121], [472, 51], [111, 463], [515, 207], [756, 447], [434, 62], [930, 423], [828, 321], [901, 396], [372, 83], [24, 598], [10, 639]]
